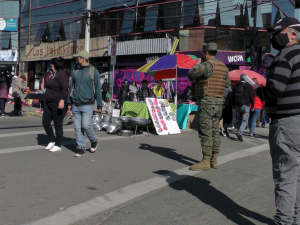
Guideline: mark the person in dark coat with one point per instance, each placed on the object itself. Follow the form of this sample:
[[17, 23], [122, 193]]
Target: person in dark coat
[[227, 111], [5, 81], [124, 92], [105, 89], [56, 104]]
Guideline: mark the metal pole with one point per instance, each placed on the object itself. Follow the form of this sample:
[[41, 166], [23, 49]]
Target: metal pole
[[19, 39], [254, 34], [112, 82], [87, 26], [175, 100], [29, 22]]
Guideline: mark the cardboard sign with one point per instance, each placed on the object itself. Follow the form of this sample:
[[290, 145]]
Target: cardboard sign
[[163, 118]]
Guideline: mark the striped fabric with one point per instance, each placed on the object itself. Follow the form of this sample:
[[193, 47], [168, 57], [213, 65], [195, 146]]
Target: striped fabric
[[282, 91]]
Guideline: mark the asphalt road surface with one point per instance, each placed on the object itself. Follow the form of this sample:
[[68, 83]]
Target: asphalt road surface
[[135, 180]]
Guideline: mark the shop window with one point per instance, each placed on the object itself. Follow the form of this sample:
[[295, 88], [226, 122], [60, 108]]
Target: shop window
[[127, 21], [42, 34], [57, 32], [188, 12], [151, 18], [5, 40]]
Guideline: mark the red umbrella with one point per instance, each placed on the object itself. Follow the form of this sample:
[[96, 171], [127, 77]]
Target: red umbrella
[[234, 75]]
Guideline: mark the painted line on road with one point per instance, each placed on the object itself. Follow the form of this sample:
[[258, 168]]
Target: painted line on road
[[28, 133], [120, 196], [36, 147]]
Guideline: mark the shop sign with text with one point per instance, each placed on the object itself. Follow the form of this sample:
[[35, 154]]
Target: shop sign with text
[[65, 49]]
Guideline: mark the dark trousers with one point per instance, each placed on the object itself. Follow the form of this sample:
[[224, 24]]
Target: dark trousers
[[104, 96], [2, 105], [52, 112], [227, 116], [18, 104], [124, 97]]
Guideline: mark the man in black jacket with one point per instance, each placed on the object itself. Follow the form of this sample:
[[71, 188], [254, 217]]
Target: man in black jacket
[[104, 88], [124, 92], [242, 96]]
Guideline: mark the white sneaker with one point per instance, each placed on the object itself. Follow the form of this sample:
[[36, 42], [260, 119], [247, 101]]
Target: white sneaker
[[55, 149], [50, 145]]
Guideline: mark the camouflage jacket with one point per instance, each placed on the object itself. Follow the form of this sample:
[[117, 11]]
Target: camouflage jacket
[[205, 70]]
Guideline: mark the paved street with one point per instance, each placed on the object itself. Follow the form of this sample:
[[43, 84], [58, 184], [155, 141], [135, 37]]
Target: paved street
[[136, 180]]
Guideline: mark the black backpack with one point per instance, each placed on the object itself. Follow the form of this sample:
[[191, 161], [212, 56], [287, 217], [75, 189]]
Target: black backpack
[[240, 95]]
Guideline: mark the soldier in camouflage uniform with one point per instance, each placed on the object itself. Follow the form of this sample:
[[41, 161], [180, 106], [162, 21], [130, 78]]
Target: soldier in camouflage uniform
[[211, 77]]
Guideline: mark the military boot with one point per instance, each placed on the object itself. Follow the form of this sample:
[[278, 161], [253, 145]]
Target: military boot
[[214, 161], [203, 165]]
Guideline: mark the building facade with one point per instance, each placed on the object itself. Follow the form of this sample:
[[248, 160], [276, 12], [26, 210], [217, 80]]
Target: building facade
[[50, 28], [9, 21]]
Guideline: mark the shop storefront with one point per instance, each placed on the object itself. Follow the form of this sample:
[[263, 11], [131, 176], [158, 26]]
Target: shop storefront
[[127, 65], [38, 57]]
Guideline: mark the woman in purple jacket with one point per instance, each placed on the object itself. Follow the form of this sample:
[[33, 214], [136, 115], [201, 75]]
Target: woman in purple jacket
[[55, 105]]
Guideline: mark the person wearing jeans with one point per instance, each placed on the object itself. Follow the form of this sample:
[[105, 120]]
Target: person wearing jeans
[[82, 121], [242, 116], [242, 96], [253, 117], [85, 88]]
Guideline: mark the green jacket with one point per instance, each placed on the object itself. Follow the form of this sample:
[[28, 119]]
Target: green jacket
[[205, 70], [83, 93]]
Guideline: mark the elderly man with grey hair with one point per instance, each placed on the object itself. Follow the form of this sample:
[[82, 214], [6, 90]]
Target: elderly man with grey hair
[[282, 97]]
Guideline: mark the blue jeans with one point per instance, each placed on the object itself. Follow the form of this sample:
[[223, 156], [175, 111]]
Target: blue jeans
[[242, 116], [83, 124], [253, 117]]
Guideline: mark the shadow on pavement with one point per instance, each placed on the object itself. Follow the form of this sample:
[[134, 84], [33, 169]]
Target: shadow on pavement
[[169, 153], [68, 143], [201, 189]]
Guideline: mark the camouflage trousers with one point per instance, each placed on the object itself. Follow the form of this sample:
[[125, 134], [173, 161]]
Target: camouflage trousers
[[208, 128]]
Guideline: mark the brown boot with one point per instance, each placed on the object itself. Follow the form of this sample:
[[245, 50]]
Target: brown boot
[[203, 165], [214, 161]]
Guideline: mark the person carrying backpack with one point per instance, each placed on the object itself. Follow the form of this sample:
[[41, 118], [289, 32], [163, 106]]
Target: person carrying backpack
[[242, 96], [85, 88]]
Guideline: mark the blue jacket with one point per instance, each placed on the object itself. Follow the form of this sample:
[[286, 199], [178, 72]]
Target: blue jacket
[[83, 93]]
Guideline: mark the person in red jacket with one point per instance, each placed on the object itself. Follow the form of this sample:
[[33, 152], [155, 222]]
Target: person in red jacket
[[258, 104]]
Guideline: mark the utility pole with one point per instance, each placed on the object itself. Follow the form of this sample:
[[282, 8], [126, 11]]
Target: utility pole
[[19, 40], [87, 26], [254, 16]]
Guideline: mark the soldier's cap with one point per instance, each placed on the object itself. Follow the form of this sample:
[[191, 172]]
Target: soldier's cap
[[209, 46], [284, 23], [83, 54]]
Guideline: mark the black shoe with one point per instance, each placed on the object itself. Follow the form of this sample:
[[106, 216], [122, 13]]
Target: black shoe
[[94, 146], [227, 134], [239, 136], [80, 151]]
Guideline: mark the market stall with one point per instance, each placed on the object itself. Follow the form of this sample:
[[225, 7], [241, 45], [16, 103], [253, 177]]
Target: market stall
[[139, 109], [183, 111]]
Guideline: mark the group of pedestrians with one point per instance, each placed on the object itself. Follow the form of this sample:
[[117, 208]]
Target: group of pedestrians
[[247, 107], [131, 92], [18, 87], [77, 96]]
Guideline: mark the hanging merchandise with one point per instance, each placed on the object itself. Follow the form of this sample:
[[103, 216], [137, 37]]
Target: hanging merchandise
[[162, 116]]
